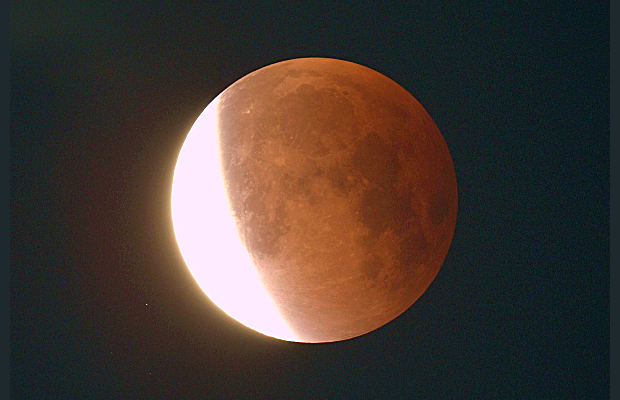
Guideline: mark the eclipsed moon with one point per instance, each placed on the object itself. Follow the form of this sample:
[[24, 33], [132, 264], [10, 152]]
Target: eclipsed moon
[[314, 200]]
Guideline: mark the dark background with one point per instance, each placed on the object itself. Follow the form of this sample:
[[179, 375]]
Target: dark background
[[102, 96]]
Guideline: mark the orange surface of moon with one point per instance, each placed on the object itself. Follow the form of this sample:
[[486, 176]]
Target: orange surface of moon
[[336, 188]]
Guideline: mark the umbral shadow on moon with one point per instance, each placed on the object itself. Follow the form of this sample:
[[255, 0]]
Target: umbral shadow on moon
[[343, 191]]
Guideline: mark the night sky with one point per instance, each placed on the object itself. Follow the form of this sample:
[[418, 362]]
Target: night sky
[[102, 97]]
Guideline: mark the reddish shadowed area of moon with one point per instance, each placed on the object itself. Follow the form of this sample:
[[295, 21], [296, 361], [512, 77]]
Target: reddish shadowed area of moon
[[343, 192]]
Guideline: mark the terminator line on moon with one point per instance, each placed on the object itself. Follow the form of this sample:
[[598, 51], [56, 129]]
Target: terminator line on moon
[[314, 200]]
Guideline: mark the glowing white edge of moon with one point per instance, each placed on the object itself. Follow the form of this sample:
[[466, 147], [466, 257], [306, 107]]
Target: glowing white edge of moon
[[207, 235]]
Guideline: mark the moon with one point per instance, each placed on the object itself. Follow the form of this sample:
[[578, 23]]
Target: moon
[[314, 200]]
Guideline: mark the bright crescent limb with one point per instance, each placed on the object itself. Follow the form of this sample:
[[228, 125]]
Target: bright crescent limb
[[207, 235]]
